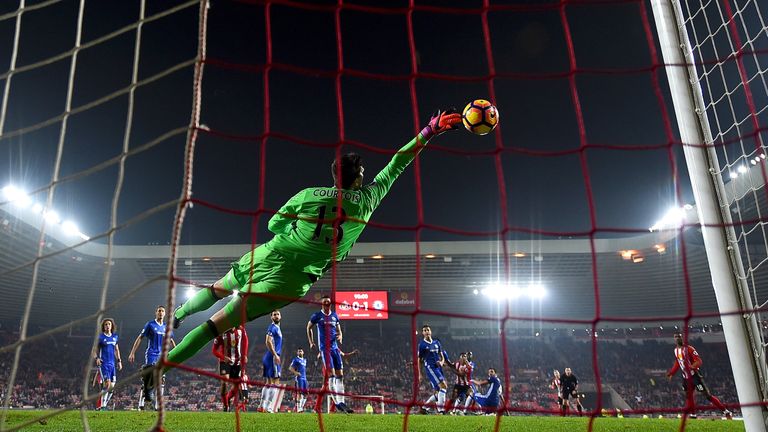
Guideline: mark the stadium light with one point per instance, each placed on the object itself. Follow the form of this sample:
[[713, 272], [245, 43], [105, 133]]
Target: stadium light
[[189, 293], [17, 196], [52, 217], [500, 291], [673, 219], [70, 228]]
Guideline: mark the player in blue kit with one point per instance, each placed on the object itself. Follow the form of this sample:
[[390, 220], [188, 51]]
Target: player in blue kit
[[153, 331], [492, 396], [272, 365], [299, 368], [431, 354], [329, 337], [107, 355]]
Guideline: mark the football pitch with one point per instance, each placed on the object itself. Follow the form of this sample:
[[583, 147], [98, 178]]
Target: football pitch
[[207, 421]]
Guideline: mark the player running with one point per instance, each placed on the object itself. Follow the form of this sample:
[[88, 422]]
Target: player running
[[329, 337], [105, 354], [489, 400], [270, 393], [231, 349], [431, 354], [688, 362], [298, 367], [154, 331], [315, 228]]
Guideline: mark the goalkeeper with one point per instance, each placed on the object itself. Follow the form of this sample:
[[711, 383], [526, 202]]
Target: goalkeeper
[[310, 231]]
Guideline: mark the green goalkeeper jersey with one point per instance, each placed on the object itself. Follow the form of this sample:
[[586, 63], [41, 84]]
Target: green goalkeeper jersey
[[306, 225]]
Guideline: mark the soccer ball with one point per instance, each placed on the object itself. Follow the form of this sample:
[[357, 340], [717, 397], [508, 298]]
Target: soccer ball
[[480, 117]]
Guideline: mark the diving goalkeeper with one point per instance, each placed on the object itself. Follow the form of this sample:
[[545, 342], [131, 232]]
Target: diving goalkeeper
[[306, 228]]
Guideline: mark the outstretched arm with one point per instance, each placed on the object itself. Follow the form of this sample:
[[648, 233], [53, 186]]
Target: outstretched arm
[[440, 122]]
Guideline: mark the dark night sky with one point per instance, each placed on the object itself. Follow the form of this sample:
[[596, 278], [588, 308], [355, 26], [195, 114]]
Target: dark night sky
[[631, 188]]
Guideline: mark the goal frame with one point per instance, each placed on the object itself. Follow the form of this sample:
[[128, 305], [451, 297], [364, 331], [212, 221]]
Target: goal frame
[[741, 330]]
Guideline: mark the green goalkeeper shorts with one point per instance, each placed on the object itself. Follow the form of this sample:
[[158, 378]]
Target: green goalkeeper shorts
[[267, 281]]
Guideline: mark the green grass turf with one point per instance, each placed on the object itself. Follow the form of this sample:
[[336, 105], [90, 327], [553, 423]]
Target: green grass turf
[[204, 421]]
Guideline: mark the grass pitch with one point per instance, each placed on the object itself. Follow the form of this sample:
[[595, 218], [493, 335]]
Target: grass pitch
[[206, 421]]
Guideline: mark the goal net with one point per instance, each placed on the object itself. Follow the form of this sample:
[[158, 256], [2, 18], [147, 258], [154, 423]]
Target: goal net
[[528, 247], [716, 56]]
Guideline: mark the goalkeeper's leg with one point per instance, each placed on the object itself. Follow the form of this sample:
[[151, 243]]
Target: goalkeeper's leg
[[281, 287], [205, 298]]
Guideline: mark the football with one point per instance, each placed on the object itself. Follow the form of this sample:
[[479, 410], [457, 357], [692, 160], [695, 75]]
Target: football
[[480, 117]]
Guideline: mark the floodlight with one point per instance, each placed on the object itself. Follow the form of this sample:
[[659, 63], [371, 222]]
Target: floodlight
[[52, 217], [674, 218], [535, 291], [70, 228], [500, 291], [17, 196]]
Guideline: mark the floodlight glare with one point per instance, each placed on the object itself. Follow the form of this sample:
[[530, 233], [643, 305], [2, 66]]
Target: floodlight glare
[[742, 169], [189, 293], [17, 196], [52, 217], [70, 228], [37, 208], [499, 291], [535, 291], [673, 219]]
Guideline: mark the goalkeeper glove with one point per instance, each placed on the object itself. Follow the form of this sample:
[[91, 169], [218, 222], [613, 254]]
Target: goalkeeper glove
[[440, 122]]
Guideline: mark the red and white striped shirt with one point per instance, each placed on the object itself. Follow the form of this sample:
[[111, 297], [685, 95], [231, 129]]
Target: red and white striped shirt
[[685, 357], [466, 369], [555, 384], [233, 344]]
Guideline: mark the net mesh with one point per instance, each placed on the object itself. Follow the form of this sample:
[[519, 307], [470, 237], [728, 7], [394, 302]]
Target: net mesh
[[730, 40]]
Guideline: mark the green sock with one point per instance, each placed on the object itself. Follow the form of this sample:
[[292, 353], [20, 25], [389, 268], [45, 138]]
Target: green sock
[[201, 301], [193, 342]]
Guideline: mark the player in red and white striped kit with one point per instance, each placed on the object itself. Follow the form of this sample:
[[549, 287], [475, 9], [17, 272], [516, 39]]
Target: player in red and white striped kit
[[463, 371], [231, 348], [555, 385], [688, 362]]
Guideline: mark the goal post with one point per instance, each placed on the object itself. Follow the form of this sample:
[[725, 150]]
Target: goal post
[[741, 330]]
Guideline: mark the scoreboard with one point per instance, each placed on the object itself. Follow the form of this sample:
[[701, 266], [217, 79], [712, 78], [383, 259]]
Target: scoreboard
[[362, 305]]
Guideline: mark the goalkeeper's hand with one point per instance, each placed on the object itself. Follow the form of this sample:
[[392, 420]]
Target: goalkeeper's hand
[[440, 122]]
